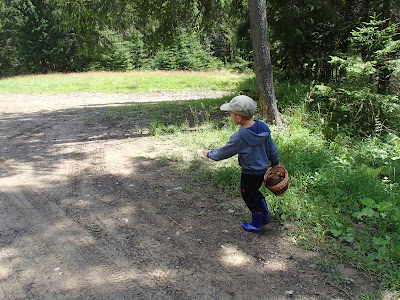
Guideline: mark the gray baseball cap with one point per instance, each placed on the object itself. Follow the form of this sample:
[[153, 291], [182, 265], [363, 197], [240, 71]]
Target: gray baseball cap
[[241, 105]]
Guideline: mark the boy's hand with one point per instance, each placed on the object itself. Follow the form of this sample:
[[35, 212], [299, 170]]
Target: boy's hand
[[205, 153]]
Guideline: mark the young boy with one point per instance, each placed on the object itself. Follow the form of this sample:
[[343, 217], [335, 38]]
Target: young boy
[[255, 148]]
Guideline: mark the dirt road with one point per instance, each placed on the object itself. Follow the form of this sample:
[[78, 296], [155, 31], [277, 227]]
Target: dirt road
[[89, 212]]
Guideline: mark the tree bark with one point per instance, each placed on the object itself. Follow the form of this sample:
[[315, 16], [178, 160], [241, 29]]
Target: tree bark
[[262, 62]]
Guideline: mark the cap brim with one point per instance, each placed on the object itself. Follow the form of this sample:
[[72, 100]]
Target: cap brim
[[225, 107]]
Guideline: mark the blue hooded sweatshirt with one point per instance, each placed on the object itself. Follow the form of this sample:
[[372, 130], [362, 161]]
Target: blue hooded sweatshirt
[[254, 146]]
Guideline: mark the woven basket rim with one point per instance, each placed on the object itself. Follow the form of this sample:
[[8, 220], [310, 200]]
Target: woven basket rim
[[281, 187], [282, 191]]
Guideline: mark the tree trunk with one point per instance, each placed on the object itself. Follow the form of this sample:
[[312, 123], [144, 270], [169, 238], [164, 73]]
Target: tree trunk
[[262, 62]]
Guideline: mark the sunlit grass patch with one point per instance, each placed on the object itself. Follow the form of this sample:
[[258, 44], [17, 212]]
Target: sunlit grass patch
[[122, 82]]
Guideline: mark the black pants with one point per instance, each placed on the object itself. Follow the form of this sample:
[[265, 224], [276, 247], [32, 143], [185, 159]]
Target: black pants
[[250, 188]]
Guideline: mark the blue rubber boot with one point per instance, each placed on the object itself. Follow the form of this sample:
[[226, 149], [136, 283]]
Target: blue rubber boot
[[257, 219], [267, 216]]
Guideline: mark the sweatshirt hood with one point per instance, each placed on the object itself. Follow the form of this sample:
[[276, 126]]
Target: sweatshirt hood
[[253, 138]]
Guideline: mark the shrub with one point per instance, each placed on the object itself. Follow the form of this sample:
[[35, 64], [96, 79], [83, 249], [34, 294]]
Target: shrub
[[360, 101], [33, 40], [186, 54]]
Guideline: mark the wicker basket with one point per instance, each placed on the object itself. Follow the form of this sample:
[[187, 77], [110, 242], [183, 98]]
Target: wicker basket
[[277, 180]]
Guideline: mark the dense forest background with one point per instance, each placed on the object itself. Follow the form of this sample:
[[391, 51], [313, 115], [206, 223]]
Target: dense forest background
[[351, 45], [37, 37]]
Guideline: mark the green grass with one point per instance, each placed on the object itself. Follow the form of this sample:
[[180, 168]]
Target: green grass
[[121, 82], [345, 192]]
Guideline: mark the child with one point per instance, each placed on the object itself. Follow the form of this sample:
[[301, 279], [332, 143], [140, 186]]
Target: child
[[256, 148]]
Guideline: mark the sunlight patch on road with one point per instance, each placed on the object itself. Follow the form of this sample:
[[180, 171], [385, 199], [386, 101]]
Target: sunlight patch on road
[[275, 265], [233, 257], [160, 273]]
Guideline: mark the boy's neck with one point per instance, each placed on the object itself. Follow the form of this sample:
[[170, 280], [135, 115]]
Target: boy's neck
[[247, 123]]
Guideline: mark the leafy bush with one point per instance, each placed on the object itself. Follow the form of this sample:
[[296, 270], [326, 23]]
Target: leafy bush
[[360, 101], [33, 40], [375, 41], [356, 111], [186, 54], [165, 60], [120, 53]]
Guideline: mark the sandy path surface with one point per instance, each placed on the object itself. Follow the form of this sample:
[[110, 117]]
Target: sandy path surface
[[88, 212]]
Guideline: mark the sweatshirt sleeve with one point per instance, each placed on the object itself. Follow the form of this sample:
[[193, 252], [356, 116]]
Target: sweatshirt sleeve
[[272, 152], [230, 149]]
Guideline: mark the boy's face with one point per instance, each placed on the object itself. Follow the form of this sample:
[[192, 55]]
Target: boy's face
[[235, 118]]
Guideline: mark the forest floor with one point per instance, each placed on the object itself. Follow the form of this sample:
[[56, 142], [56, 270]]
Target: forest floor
[[91, 212]]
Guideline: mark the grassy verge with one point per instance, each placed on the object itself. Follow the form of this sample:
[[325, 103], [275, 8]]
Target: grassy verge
[[117, 82]]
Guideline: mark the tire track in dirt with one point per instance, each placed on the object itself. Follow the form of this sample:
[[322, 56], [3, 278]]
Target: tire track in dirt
[[87, 252], [35, 205], [96, 249], [112, 194], [151, 239], [48, 235], [11, 230], [132, 242]]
